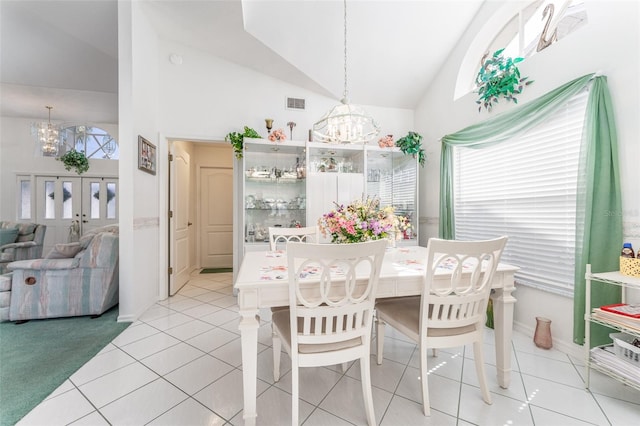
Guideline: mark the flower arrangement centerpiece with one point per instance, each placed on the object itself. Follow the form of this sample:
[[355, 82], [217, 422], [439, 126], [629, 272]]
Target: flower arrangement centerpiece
[[362, 220], [277, 136]]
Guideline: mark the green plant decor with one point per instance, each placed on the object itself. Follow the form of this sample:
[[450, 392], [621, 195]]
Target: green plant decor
[[498, 77], [236, 139], [75, 160], [412, 145]]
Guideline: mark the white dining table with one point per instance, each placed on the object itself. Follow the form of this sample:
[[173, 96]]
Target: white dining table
[[262, 282]]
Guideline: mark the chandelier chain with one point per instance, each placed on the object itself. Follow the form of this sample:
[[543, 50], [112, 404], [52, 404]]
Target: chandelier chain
[[346, 92]]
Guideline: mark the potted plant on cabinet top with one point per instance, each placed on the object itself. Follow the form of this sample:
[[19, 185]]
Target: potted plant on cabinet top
[[236, 139], [75, 160], [412, 144]]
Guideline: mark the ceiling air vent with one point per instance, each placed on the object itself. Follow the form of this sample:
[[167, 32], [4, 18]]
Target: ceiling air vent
[[296, 103]]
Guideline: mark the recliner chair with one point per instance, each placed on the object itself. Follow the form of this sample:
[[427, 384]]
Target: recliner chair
[[75, 279], [28, 243]]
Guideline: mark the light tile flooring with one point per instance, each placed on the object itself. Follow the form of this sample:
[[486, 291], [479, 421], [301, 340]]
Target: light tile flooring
[[180, 364]]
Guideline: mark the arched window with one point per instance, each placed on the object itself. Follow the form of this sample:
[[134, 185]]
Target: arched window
[[93, 141], [524, 32], [539, 25]]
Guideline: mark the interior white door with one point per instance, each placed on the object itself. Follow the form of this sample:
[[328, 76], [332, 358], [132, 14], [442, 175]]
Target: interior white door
[[216, 217], [179, 241]]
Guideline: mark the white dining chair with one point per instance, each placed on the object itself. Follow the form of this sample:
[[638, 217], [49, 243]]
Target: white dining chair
[[450, 312], [284, 235], [332, 290]]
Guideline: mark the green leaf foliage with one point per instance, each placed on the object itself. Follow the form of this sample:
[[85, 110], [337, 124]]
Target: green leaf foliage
[[499, 77], [237, 140], [411, 144], [75, 160]]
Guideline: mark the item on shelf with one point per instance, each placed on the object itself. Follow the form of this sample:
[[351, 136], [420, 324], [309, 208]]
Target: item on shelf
[[386, 142], [605, 357], [277, 136], [627, 251], [630, 266], [237, 140], [624, 348], [542, 336], [616, 319], [251, 233], [260, 233], [291, 125], [632, 311], [411, 144], [269, 123]]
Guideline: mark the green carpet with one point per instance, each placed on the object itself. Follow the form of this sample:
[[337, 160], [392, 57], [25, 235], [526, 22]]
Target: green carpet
[[38, 356], [215, 270]]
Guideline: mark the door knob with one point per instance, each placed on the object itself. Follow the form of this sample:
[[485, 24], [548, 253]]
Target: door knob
[[189, 223]]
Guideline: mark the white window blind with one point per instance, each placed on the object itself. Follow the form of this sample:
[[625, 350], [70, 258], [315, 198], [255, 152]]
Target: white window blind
[[526, 188]]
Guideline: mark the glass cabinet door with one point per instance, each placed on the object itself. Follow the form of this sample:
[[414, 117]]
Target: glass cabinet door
[[393, 177], [274, 189]]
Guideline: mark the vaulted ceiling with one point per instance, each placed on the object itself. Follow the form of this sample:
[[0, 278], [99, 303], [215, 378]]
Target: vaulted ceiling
[[64, 53]]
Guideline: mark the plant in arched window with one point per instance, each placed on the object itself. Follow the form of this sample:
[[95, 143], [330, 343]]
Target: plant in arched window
[[498, 77]]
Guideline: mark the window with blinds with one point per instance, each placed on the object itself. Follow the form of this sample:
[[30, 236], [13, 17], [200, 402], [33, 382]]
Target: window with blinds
[[526, 188]]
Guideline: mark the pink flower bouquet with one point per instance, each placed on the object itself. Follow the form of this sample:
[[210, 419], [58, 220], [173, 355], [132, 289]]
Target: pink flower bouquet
[[362, 220], [277, 136], [386, 142]]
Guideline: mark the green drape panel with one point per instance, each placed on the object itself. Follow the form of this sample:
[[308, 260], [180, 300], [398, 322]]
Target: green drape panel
[[599, 180], [599, 226], [497, 129]]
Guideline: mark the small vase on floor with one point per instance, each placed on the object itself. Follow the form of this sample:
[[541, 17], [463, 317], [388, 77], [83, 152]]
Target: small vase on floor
[[542, 335]]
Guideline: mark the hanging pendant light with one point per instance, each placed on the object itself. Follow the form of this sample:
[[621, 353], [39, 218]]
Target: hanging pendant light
[[47, 136], [345, 123]]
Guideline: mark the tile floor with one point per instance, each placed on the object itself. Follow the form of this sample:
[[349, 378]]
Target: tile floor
[[180, 364]]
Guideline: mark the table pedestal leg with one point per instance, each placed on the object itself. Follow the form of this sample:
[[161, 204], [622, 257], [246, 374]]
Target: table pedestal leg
[[248, 327], [503, 303]]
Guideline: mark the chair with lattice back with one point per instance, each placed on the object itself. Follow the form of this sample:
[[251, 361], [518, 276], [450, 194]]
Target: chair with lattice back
[[332, 291], [309, 234], [450, 312]]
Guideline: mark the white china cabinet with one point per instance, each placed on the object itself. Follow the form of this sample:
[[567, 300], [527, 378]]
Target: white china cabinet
[[292, 183]]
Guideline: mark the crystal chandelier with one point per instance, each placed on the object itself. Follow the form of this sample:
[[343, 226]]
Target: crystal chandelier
[[47, 136], [345, 123]]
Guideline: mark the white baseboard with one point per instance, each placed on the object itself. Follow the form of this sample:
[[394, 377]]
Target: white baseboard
[[563, 346]]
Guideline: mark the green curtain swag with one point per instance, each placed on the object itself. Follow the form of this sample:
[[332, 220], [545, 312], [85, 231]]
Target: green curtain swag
[[599, 165]]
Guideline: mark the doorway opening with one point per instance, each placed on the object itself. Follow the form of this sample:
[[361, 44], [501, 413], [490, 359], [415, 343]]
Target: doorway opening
[[200, 201]]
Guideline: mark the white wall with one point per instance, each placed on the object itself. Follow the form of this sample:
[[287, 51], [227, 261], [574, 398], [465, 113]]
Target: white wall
[[609, 43], [206, 97], [139, 191]]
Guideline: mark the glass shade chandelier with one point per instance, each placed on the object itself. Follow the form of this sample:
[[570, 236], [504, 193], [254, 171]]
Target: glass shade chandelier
[[345, 123], [47, 136]]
